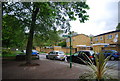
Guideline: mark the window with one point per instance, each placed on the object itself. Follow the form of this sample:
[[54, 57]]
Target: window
[[61, 52], [116, 35], [51, 52], [101, 38], [96, 39], [108, 52], [87, 53], [109, 37]]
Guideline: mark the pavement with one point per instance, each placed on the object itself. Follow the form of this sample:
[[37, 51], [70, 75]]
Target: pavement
[[47, 69]]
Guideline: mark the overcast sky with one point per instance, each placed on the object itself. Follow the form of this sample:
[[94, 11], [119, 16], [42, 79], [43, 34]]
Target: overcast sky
[[103, 18]]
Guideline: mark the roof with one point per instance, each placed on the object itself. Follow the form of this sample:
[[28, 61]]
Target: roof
[[82, 46], [80, 34], [100, 44], [108, 33]]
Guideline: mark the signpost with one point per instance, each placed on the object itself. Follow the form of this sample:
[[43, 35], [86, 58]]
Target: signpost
[[69, 36]]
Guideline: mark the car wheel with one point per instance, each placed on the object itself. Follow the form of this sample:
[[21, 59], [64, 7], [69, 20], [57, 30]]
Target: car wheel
[[112, 58], [68, 60], [38, 57], [63, 59], [54, 58], [47, 57]]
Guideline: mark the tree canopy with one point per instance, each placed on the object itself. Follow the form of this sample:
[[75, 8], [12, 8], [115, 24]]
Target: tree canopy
[[118, 27], [12, 34], [44, 17]]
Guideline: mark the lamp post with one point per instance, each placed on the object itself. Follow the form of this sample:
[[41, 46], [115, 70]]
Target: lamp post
[[70, 53], [69, 36]]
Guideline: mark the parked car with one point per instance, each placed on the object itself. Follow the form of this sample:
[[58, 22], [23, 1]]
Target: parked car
[[81, 55], [114, 54], [60, 55], [34, 53]]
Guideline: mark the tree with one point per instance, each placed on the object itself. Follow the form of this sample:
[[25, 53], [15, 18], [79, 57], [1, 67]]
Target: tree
[[47, 40], [62, 43], [118, 27], [91, 37], [72, 33], [13, 36], [41, 17]]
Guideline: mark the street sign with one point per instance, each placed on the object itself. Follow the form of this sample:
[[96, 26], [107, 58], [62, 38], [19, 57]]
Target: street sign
[[67, 35]]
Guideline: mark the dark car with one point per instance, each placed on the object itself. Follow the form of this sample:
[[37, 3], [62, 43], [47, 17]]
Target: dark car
[[84, 55], [114, 54]]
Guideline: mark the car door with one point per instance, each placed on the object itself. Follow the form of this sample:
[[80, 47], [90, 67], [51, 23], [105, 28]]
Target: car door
[[108, 53], [61, 55], [84, 55], [77, 57], [50, 55]]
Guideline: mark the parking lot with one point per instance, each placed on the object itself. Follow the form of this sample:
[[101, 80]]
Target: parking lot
[[49, 69], [114, 64]]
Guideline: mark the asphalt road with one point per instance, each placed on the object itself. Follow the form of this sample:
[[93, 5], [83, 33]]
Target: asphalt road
[[48, 69], [113, 64]]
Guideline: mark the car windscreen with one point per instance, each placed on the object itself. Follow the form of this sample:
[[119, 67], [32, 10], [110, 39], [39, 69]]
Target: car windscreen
[[87, 53], [34, 51], [108, 51], [83, 54], [114, 51], [50, 53], [61, 52], [91, 52], [56, 52]]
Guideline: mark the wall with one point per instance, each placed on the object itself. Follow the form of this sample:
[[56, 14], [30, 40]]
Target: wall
[[57, 48], [105, 38], [118, 37], [67, 50], [110, 48], [97, 48], [47, 50], [37, 48], [110, 41], [80, 39], [83, 48]]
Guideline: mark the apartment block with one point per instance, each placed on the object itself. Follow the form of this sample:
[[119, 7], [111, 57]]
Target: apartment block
[[109, 40]]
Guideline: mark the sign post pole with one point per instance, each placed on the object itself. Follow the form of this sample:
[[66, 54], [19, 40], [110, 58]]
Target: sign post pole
[[69, 36]]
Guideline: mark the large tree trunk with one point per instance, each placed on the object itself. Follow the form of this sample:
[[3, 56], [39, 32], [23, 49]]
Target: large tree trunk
[[30, 38]]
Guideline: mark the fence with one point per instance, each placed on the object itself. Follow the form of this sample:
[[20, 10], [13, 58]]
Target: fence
[[56, 48]]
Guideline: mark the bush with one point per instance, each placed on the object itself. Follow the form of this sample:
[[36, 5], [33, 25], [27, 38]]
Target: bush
[[6, 51], [99, 70]]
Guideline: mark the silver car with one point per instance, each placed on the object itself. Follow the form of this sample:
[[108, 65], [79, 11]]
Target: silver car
[[60, 55]]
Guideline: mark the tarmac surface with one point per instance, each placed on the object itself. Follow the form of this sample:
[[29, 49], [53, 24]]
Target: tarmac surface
[[47, 69]]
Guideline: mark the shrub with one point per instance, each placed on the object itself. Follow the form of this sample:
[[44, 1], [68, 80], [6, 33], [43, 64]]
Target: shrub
[[99, 70], [6, 51]]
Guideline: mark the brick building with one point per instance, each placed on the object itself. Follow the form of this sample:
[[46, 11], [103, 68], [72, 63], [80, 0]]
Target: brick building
[[109, 40], [79, 42]]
